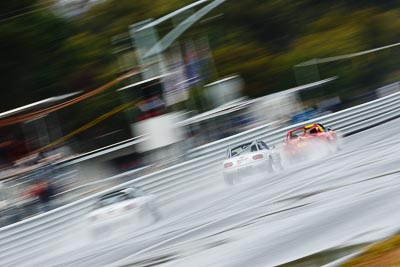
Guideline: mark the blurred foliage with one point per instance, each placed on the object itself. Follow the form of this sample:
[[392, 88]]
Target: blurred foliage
[[45, 52]]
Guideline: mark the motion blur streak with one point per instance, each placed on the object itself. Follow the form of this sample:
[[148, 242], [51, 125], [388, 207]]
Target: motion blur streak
[[347, 198], [45, 111]]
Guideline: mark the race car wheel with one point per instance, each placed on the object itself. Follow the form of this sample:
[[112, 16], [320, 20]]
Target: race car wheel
[[332, 147], [270, 166], [155, 213], [152, 211], [279, 164]]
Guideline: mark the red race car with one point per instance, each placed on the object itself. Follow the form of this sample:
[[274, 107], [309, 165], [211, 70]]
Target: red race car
[[302, 142]]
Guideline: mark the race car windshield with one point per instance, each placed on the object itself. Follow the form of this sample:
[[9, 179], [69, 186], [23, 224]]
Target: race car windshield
[[312, 131], [133, 192], [111, 199], [297, 133], [240, 150]]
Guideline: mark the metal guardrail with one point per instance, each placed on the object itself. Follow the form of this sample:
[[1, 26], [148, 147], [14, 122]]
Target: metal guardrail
[[29, 237], [344, 121]]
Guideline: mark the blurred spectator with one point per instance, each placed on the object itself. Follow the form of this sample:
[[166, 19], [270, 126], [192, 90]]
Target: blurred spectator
[[46, 195], [44, 192]]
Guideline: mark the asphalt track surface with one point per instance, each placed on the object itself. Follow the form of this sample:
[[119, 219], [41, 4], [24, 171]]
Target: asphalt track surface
[[349, 197]]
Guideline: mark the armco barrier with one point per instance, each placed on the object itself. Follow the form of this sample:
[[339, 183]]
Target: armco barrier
[[24, 239], [341, 121]]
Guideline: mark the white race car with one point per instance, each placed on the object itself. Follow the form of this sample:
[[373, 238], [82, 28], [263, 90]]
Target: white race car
[[249, 158], [121, 209]]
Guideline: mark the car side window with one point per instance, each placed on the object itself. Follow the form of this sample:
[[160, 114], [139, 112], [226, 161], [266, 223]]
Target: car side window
[[124, 197], [253, 148], [263, 145]]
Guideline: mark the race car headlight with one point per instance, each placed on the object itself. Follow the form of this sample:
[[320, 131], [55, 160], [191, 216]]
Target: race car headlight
[[228, 165], [259, 156]]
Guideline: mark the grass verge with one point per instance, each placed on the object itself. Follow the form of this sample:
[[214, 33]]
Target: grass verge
[[384, 253]]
